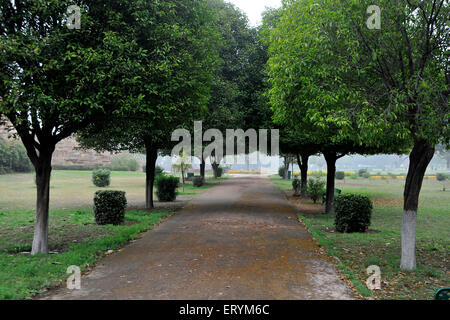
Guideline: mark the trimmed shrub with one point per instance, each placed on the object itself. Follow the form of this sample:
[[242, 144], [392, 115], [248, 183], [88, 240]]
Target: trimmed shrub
[[281, 172], [109, 207], [198, 181], [101, 178], [315, 189], [440, 177], [340, 175], [361, 172], [167, 188], [353, 213], [366, 175]]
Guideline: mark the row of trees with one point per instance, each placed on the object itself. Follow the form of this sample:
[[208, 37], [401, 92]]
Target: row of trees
[[135, 71], [13, 157], [340, 87]]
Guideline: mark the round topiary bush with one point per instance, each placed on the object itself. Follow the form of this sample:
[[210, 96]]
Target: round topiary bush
[[167, 188], [101, 178], [440, 177], [353, 213], [109, 207], [198, 181], [340, 175]]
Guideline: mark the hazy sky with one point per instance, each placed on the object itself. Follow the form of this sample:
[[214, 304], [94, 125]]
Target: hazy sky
[[254, 8]]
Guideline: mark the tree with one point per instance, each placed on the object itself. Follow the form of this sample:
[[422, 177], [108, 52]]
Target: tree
[[172, 83], [310, 94], [403, 71], [56, 81], [236, 92], [182, 164]]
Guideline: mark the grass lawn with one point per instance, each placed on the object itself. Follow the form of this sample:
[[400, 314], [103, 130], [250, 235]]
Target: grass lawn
[[382, 244], [74, 238]]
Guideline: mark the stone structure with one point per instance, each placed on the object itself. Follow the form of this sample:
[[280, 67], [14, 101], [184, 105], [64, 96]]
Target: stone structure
[[67, 154]]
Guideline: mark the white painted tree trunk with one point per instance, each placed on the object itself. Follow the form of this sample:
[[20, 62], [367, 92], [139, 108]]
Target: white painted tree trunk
[[408, 261]]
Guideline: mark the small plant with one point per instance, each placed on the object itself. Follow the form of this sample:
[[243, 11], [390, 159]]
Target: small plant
[[101, 178], [315, 189], [219, 172], [353, 213], [340, 175], [198, 181], [296, 185], [109, 207], [167, 188]]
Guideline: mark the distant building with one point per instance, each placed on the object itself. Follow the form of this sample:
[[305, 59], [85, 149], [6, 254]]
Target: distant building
[[67, 154]]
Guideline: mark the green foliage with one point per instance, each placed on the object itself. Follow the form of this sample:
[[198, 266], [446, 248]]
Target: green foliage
[[124, 162], [340, 175], [281, 171], [366, 175], [353, 213], [361, 172], [198, 181], [13, 157], [109, 207], [315, 189], [166, 188], [101, 178], [441, 177]]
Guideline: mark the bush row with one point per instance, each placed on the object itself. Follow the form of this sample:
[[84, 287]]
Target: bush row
[[13, 157]]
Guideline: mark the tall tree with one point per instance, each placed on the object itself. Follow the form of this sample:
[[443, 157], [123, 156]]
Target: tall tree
[[310, 94], [56, 80], [236, 95], [172, 83], [403, 70]]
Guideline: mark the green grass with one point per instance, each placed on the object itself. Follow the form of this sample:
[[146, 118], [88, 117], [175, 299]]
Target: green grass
[[382, 245], [74, 238]]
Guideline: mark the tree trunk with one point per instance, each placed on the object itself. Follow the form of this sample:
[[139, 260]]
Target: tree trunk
[[286, 168], [303, 164], [331, 159], [215, 167], [182, 175], [152, 156], [43, 169], [202, 168], [420, 158]]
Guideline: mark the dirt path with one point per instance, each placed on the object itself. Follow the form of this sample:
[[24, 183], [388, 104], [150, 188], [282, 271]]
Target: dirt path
[[239, 240]]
